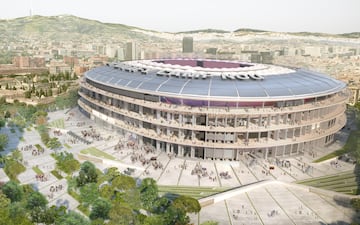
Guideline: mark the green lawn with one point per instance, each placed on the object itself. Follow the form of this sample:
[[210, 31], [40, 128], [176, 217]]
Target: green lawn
[[96, 152], [57, 123], [13, 168], [67, 146], [56, 174], [345, 182], [37, 170], [192, 191]]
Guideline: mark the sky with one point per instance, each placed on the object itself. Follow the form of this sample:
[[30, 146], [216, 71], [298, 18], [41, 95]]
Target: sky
[[325, 16]]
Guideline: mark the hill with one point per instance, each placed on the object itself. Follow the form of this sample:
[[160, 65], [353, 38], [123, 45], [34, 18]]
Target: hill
[[67, 27], [72, 28], [204, 31]]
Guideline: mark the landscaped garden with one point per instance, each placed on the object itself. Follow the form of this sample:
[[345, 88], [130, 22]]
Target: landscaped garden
[[346, 182]]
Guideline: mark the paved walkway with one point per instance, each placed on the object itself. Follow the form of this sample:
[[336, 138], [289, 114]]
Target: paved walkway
[[274, 203]]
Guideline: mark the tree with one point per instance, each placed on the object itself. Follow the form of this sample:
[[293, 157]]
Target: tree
[[3, 100], [27, 94], [89, 193], [131, 197], [53, 143], [36, 200], [7, 114], [17, 155], [19, 214], [160, 205], [100, 209], [72, 218], [148, 192], [13, 191], [12, 213], [120, 214], [123, 182], [173, 216], [186, 203], [3, 141], [87, 174], [106, 191], [2, 123], [111, 173], [154, 220], [98, 221], [4, 201], [53, 213], [67, 163]]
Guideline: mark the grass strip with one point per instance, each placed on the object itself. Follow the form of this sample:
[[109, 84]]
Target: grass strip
[[96, 152], [56, 174], [37, 170]]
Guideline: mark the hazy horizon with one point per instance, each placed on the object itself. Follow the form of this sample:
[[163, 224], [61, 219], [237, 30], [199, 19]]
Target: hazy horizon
[[321, 16]]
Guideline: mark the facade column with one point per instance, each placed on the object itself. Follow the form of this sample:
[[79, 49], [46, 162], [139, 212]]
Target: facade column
[[192, 153], [167, 148], [157, 114], [158, 145], [180, 150], [180, 119], [140, 141]]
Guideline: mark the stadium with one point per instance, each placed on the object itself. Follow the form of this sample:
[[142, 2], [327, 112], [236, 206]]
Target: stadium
[[215, 109]]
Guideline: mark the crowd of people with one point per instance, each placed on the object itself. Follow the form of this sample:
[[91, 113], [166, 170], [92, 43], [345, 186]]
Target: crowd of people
[[91, 133], [27, 148], [56, 188], [41, 177], [78, 138], [199, 171], [225, 175], [35, 150], [57, 133]]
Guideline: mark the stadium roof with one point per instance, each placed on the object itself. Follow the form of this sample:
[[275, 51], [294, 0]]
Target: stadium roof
[[276, 83]]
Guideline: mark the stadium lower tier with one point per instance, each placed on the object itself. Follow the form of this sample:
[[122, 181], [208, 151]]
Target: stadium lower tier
[[218, 132]]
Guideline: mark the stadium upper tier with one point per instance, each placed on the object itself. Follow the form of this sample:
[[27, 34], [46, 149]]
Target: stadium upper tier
[[201, 79]]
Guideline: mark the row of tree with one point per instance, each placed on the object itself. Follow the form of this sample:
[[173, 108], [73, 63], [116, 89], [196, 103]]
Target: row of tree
[[21, 204], [114, 198]]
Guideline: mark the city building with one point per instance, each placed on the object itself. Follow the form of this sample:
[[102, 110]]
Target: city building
[[131, 51], [27, 61], [355, 95], [187, 45], [214, 109], [56, 67]]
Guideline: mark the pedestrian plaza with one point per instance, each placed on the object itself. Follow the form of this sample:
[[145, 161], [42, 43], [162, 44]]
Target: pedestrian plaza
[[280, 201]]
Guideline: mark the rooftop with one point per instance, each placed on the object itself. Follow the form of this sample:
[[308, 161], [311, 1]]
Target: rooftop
[[233, 81]]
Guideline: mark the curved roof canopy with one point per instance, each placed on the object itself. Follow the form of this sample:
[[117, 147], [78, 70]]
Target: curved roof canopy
[[247, 81]]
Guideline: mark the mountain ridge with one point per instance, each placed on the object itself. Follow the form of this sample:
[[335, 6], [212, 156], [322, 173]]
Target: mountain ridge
[[83, 26]]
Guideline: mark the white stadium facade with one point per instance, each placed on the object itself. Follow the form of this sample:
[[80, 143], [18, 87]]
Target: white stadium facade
[[214, 109]]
